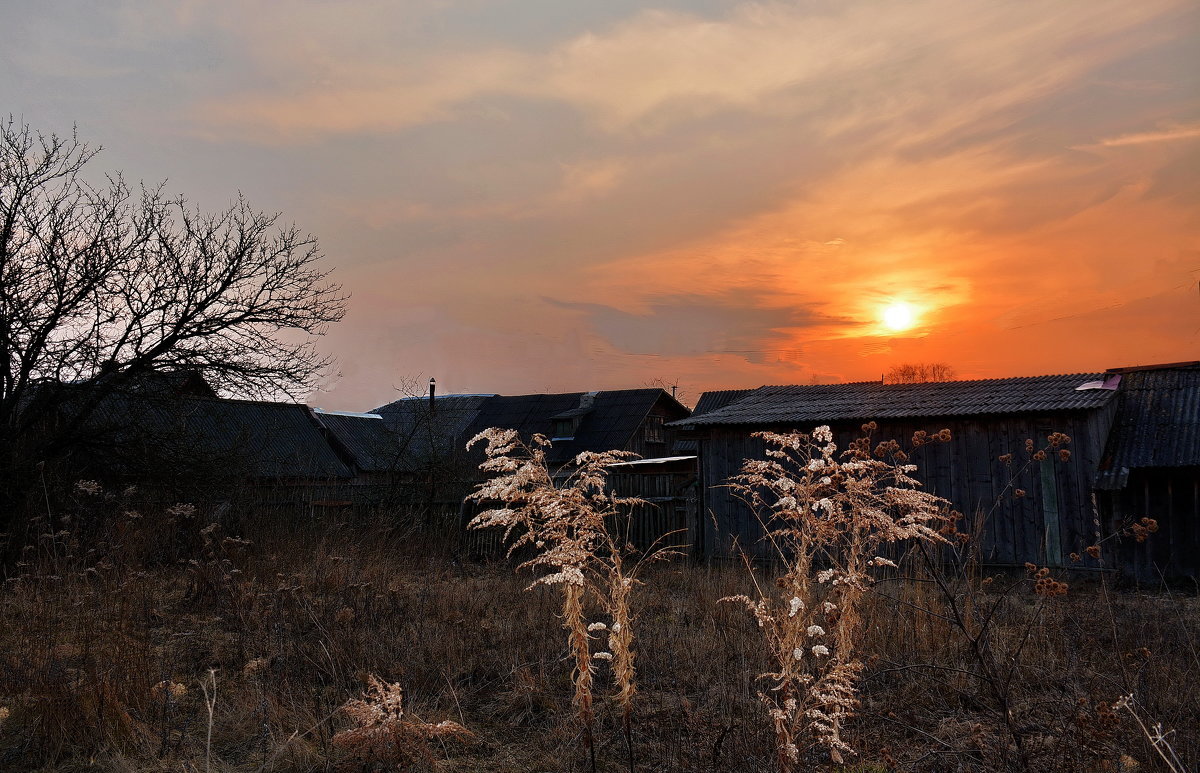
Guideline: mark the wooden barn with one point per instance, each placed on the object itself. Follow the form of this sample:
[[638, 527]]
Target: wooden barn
[[1151, 468], [987, 420]]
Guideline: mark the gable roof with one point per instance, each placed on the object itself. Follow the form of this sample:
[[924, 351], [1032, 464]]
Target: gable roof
[[364, 438], [711, 401], [423, 435], [1158, 418], [867, 400], [610, 423]]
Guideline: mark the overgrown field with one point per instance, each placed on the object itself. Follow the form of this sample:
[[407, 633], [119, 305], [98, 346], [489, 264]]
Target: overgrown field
[[160, 641]]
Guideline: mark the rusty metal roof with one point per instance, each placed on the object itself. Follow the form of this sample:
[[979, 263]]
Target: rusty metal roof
[[865, 400]]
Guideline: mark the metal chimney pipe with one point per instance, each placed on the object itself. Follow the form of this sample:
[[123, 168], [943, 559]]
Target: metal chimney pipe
[[432, 394]]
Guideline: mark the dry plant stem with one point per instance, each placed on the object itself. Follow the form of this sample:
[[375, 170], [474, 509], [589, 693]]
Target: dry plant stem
[[565, 523], [620, 644], [210, 702], [981, 654], [1156, 737], [959, 593], [582, 675]]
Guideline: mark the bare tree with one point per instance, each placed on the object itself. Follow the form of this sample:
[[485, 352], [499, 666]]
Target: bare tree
[[101, 284], [670, 386], [919, 372]]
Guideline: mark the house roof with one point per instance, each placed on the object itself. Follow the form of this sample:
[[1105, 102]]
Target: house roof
[[365, 437], [1158, 418], [867, 400], [424, 435], [711, 401], [242, 437], [610, 423]]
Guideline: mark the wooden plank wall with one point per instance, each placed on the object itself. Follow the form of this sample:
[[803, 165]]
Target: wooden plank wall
[[1171, 496], [666, 520], [967, 471]]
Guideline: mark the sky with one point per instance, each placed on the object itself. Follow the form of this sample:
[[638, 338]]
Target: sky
[[553, 195]]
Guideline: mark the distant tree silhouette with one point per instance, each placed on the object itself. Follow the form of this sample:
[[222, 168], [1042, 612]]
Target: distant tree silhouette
[[919, 372]]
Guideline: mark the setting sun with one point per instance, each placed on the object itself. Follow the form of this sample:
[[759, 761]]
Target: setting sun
[[899, 316]]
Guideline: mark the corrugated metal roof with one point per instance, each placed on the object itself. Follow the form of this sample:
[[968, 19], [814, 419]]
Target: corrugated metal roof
[[711, 401], [874, 400], [372, 446], [242, 437], [425, 435], [1158, 419]]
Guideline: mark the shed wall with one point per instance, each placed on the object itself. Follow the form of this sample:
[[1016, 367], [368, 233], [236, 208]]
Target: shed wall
[[1055, 518], [1171, 496]]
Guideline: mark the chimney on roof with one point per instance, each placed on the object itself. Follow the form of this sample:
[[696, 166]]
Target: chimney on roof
[[432, 394], [587, 399]]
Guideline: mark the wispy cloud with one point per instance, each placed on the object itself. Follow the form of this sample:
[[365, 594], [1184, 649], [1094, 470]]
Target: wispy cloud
[[733, 322], [840, 66], [1169, 133]]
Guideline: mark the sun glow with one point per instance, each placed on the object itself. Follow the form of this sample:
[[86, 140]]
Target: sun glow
[[899, 316]]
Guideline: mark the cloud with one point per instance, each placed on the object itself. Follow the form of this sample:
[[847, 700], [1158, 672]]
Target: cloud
[[1170, 133], [931, 66], [737, 323]]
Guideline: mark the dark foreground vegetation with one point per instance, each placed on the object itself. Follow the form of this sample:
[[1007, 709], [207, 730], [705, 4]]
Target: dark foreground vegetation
[[139, 640]]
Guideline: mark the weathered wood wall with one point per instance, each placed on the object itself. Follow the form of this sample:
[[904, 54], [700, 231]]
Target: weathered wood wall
[[1055, 518], [667, 519], [1171, 496]]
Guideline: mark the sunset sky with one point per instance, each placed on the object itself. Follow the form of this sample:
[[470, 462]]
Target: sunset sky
[[553, 195]]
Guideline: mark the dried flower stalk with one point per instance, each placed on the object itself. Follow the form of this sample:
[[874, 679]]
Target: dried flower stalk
[[826, 517], [564, 523]]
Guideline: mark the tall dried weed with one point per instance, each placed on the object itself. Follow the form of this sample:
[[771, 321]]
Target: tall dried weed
[[827, 517]]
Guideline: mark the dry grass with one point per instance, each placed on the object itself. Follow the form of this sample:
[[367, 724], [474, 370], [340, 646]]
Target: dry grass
[[105, 648]]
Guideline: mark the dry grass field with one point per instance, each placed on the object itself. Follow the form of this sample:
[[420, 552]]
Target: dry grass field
[[159, 641]]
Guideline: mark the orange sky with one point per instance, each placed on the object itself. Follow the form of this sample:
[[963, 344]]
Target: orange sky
[[536, 195]]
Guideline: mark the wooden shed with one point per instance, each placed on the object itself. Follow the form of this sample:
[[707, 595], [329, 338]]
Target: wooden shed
[[987, 420], [1151, 468]]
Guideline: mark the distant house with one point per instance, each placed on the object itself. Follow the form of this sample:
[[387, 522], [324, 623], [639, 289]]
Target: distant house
[[987, 418], [1151, 467], [622, 419], [434, 433], [172, 438]]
